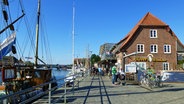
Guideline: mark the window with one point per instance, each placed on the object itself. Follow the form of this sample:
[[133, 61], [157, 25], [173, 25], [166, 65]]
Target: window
[[140, 48], [153, 33], [154, 48], [141, 65], [165, 66], [167, 48]]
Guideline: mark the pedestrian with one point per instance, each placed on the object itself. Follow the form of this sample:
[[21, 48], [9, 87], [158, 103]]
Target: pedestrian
[[117, 74], [93, 71], [114, 70], [121, 74], [100, 70], [96, 71]]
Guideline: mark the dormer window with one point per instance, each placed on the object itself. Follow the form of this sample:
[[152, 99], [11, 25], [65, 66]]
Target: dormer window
[[153, 33]]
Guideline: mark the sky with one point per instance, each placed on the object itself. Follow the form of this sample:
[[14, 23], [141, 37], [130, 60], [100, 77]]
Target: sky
[[98, 22]]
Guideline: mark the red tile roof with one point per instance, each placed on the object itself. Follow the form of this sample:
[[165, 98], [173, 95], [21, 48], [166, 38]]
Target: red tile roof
[[150, 19], [147, 20]]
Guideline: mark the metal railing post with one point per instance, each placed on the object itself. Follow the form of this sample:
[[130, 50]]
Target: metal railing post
[[65, 94], [78, 83], [73, 84], [49, 93]]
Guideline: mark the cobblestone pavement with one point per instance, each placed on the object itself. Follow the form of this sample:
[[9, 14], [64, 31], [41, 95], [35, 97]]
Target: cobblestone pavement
[[99, 90]]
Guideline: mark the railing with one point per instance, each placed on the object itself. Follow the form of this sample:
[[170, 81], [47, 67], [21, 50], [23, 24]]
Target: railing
[[36, 92], [76, 84]]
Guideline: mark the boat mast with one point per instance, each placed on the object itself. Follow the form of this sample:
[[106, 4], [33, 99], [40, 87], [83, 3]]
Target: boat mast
[[73, 39], [37, 33]]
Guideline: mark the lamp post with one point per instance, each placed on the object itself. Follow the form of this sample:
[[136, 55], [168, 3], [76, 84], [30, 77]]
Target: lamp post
[[89, 68]]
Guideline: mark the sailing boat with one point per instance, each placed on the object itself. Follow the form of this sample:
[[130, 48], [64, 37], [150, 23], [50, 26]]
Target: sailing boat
[[17, 76], [71, 75], [7, 46]]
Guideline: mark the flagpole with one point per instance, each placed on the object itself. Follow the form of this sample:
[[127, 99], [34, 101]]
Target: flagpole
[[73, 38]]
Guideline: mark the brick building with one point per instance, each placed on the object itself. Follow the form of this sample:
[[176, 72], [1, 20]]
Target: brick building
[[151, 43]]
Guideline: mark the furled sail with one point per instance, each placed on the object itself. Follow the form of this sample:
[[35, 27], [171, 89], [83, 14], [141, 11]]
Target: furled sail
[[7, 44]]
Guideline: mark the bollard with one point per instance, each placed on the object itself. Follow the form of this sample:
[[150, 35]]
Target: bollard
[[82, 74], [78, 83]]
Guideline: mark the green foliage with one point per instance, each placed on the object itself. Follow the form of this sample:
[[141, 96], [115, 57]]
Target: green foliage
[[94, 59], [180, 62]]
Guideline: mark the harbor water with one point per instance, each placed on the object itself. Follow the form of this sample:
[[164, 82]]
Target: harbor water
[[60, 74]]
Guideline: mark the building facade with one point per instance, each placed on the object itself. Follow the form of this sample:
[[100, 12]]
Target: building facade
[[150, 44], [105, 51], [107, 58]]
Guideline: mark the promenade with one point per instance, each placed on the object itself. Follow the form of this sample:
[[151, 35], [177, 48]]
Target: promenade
[[99, 90]]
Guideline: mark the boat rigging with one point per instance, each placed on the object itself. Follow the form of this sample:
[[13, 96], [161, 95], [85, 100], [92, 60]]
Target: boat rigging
[[18, 75]]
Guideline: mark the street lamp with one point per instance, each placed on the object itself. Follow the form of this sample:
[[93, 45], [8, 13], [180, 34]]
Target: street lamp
[[90, 53]]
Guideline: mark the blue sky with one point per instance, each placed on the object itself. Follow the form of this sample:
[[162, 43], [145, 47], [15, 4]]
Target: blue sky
[[98, 22]]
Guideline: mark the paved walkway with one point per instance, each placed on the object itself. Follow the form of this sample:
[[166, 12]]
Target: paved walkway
[[99, 90]]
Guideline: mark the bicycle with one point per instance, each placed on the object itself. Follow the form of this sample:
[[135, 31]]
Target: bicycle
[[151, 80]]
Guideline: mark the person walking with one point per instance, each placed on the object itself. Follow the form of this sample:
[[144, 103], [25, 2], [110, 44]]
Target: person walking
[[100, 70], [114, 71], [121, 74]]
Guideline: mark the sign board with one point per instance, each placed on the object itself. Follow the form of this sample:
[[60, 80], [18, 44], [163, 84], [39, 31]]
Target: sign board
[[130, 68], [166, 76]]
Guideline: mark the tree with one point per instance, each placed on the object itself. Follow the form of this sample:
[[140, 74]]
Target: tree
[[95, 58]]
